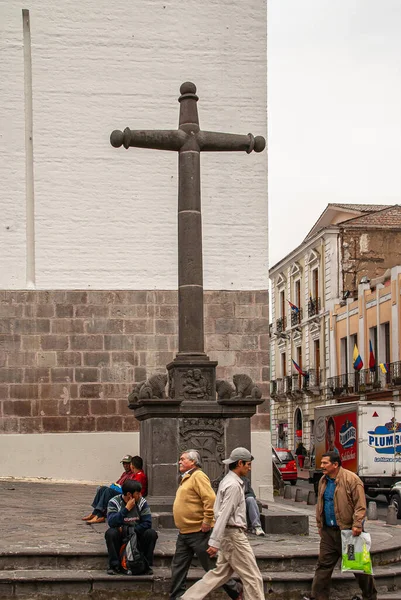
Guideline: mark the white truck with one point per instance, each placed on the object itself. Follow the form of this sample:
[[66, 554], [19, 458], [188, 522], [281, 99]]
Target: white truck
[[367, 436]]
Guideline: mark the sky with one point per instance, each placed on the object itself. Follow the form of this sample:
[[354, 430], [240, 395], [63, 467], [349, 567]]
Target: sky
[[334, 110]]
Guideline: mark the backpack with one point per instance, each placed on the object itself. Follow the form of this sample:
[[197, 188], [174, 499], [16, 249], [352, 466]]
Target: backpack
[[131, 558]]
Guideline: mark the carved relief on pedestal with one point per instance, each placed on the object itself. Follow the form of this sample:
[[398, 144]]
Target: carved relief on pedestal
[[206, 436], [195, 386]]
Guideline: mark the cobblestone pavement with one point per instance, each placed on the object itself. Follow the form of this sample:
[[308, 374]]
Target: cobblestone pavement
[[38, 517]]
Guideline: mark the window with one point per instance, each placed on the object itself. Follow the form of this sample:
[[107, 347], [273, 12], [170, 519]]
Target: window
[[315, 283], [282, 303], [353, 341], [344, 355], [386, 331], [373, 340], [283, 365], [299, 362], [316, 349], [297, 293]]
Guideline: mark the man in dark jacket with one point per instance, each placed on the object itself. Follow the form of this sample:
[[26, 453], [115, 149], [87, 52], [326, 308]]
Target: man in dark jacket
[[129, 510]]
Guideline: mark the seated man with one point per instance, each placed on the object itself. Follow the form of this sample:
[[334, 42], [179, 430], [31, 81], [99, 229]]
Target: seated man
[[252, 509], [126, 511], [105, 493]]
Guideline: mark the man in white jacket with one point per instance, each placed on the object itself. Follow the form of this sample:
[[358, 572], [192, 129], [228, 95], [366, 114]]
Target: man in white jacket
[[228, 538]]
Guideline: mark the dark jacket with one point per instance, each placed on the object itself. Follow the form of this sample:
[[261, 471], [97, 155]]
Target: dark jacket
[[139, 516]]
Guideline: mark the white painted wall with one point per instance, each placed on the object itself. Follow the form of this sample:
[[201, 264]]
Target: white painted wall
[[95, 457], [66, 456], [106, 218]]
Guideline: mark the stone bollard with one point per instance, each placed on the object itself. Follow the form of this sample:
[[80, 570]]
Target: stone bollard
[[391, 515], [372, 511], [311, 498], [299, 496], [287, 492]]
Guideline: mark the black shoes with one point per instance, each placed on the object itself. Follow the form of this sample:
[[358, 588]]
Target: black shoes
[[114, 571]]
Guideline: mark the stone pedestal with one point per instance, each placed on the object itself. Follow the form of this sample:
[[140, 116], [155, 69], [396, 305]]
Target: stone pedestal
[[191, 418]]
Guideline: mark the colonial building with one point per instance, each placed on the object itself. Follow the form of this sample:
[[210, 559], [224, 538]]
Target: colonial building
[[88, 238], [372, 324], [347, 243]]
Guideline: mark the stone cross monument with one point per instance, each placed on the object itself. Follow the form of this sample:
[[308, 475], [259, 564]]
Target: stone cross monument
[[190, 416]]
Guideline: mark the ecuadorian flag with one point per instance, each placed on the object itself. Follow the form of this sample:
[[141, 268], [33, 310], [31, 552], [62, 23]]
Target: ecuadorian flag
[[358, 362]]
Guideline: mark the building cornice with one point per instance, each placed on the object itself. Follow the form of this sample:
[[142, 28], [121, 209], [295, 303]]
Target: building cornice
[[295, 254]]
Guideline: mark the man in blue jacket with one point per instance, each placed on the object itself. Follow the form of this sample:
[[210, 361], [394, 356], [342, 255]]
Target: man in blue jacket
[[129, 510]]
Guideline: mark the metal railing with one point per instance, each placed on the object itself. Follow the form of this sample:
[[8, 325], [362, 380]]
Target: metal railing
[[281, 324], [296, 317], [313, 306], [298, 384], [313, 379], [366, 380], [342, 384], [394, 374]]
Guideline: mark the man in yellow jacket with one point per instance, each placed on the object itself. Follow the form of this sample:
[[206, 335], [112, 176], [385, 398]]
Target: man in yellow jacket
[[341, 504], [194, 518]]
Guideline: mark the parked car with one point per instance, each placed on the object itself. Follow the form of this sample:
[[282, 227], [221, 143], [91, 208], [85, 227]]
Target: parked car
[[286, 464], [395, 497]]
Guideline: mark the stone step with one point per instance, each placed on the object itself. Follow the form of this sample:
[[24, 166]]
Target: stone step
[[274, 561], [269, 558], [66, 584]]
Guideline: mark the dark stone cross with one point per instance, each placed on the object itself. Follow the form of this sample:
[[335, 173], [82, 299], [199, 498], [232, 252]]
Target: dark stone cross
[[192, 379]]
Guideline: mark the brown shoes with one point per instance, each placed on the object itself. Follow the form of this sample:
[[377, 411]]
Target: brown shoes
[[88, 517], [96, 520]]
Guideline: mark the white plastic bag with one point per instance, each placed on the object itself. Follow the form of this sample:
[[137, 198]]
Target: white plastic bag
[[356, 552]]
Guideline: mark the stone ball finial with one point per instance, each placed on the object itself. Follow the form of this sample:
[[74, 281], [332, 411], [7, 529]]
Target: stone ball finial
[[260, 143], [116, 138], [188, 88]]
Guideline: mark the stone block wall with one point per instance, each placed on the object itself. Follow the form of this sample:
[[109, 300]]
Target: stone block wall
[[68, 359]]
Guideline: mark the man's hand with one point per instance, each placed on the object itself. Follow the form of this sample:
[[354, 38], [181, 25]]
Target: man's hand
[[205, 527], [320, 532], [212, 551], [356, 531]]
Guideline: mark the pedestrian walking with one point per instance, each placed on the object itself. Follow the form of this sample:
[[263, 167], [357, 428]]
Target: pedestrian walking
[[341, 504], [228, 540], [301, 452], [193, 516]]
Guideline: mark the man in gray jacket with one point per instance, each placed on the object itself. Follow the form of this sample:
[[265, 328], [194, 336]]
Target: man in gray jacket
[[228, 538]]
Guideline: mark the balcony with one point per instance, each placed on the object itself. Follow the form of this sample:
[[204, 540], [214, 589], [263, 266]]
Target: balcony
[[287, 385], [281, 388], [313, 307], [342, 385], [313, 380], [281, 324], [394, 374], [296, 317], [298, 384], [365, 380]]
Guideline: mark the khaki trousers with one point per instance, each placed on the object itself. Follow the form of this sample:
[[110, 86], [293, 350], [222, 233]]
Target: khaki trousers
[[235, 554]]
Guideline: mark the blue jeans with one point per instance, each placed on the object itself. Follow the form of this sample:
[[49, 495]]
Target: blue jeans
[[252, 512]]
